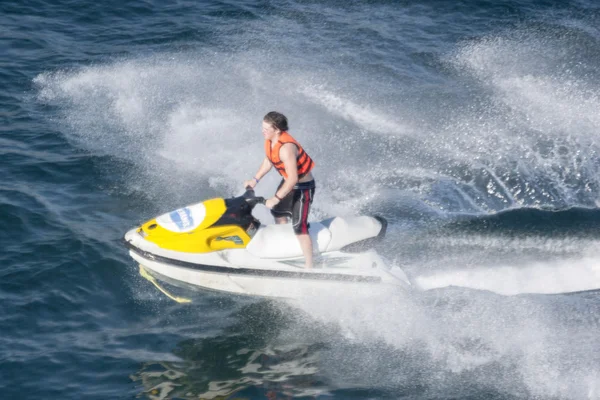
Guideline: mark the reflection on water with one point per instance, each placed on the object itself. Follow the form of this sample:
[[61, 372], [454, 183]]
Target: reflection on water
[[248, 360]]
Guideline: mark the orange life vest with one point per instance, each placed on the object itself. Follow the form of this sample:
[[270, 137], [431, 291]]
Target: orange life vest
[[303, 162]]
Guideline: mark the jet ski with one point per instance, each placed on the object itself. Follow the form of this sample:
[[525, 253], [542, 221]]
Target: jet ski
[[219, 245]]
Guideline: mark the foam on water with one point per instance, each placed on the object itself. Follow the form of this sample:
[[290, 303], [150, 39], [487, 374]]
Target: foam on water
[[198, 115], [563, 276], [529, 142], [516, 346], [539, 125], [360, 114]]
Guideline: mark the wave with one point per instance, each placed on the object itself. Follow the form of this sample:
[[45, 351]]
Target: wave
[[533, 222], [516, 251]]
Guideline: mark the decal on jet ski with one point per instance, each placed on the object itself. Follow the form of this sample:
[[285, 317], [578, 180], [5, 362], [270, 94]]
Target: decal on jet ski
[[184, 219], [325, 262], [235, 239]]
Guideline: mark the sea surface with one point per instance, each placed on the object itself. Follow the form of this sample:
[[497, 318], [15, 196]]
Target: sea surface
[[472, 126]]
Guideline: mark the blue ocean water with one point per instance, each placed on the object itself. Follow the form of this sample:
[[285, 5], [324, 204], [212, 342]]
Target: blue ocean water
[[472, 126]]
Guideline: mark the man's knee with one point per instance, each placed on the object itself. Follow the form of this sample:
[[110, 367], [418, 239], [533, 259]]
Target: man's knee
[[301, 229]]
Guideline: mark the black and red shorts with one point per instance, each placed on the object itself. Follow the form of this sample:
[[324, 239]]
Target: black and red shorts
[[296, 205]]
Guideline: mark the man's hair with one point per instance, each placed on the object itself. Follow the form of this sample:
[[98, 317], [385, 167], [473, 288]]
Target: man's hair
[[278, 120]]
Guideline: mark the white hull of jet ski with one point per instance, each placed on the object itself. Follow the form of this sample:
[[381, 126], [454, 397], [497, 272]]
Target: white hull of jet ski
[[272, 264], [278, 284]]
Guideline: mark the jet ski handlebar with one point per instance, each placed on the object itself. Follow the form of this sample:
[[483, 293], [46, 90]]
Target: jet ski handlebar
[[251, 198]]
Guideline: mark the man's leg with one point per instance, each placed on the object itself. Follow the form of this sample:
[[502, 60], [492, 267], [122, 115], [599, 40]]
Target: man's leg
[[302, 201], [307, 250]]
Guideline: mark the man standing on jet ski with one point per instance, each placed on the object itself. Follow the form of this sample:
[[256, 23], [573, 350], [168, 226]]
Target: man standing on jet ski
[[295, 193]]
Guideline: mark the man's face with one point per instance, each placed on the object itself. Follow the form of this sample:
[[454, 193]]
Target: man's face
[[269, 131]]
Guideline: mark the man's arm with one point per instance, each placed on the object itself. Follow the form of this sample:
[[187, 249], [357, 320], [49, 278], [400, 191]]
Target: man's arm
[[264, 168]]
